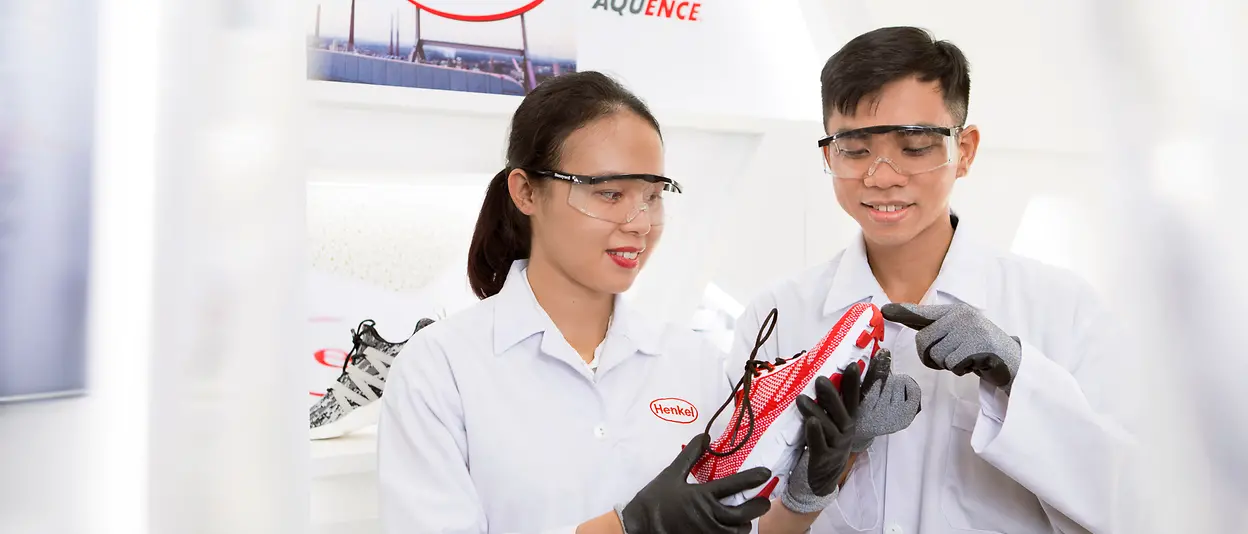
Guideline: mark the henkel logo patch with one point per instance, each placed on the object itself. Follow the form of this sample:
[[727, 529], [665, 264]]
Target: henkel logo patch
[[674, 410], [477, 10]]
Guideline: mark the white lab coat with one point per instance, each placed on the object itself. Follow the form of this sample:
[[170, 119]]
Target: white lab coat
[[1045, 459], [491, 422]]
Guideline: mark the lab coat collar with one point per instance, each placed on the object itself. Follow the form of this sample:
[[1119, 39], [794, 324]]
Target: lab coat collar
[[961, 273], [518, 316]]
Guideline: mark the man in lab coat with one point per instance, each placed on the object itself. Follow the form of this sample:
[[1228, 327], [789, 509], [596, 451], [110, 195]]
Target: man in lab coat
[[1015, 433]]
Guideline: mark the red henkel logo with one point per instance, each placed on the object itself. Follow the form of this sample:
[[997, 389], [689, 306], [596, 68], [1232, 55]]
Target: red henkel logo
[[674, 410], [476, 10]]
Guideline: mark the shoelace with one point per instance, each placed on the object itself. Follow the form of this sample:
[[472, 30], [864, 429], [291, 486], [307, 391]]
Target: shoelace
[[356, 342], [355, 354], [753, 368]]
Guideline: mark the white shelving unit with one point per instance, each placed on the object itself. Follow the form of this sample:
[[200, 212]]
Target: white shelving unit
[[350, 454], [465, 104], [344, 484]]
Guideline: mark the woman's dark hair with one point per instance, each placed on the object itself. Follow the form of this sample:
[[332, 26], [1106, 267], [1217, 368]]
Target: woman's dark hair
[[547, 116]]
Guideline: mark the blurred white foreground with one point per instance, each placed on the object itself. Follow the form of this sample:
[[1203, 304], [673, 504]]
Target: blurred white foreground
[[1174, 79]]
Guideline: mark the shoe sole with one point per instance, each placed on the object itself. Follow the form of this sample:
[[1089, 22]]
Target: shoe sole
[[356, 419], [867, 321]]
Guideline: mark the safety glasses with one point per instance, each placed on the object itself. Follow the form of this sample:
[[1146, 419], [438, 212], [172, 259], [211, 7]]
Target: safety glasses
[[909, 150], [618, 198]]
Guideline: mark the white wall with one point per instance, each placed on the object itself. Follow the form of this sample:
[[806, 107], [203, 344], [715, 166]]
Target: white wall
[[742, 58], [1033, 76]]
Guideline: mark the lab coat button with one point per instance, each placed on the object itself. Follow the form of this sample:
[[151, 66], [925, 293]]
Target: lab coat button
[[895, 529], [600, 431]]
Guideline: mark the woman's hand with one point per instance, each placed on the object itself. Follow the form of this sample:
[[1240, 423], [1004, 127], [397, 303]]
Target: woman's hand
[[669, 504]]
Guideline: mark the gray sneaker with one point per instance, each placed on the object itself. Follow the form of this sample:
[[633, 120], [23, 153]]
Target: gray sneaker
[[353, 404]]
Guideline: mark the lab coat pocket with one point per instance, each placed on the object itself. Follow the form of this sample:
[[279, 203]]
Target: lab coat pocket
[[975, 495]]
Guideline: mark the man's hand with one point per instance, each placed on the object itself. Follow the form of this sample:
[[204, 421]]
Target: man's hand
[[831, 421], [957, 337], [830, 426], [890, 403]]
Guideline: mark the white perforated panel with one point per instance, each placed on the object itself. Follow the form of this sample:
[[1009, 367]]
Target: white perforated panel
[[395, 236]]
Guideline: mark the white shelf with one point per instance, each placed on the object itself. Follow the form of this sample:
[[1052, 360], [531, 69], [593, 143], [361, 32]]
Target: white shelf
[[461, 103], [384, 97], [350, 454], [359, 526]]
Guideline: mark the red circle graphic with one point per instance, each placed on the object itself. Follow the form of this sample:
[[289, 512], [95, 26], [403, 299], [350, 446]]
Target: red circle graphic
[[479, 18], [323, 357]]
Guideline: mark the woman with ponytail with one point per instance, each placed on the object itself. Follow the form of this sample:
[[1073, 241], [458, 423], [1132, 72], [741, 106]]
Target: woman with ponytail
[[551, 406]]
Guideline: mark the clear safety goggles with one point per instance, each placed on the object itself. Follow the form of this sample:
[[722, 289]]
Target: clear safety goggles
[[909, 150], [619, 198]]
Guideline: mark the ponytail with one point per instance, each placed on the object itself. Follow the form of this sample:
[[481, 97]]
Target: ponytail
[[501, 237]]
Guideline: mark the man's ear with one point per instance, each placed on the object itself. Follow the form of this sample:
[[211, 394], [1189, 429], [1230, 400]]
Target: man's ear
[[968, 143], [523, 194]]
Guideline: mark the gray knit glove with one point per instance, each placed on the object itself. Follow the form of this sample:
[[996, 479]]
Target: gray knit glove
[[957, 337], [890, 403], [798, 496]]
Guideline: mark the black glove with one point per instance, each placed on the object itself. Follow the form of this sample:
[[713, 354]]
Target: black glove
[[959, 338], [831, 423], [669, 504]]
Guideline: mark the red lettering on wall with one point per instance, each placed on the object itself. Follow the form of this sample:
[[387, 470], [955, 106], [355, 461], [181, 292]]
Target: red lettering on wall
[[331, 357], [681, 9], [669, 5]]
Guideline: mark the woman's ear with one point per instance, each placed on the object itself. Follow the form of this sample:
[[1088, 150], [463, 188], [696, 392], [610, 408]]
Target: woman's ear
[[522, 191], [968, 143]]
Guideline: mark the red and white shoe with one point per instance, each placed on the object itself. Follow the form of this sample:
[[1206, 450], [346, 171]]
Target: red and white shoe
[[775, 439]]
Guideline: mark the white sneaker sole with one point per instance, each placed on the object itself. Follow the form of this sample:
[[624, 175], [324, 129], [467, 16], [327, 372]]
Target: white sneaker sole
[[354, 420]]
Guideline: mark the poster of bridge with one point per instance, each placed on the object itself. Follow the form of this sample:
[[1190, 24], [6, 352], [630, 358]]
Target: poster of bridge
[[481, 46]]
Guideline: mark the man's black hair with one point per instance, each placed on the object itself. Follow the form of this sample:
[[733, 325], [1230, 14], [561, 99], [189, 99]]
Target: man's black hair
[[861, 68]]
